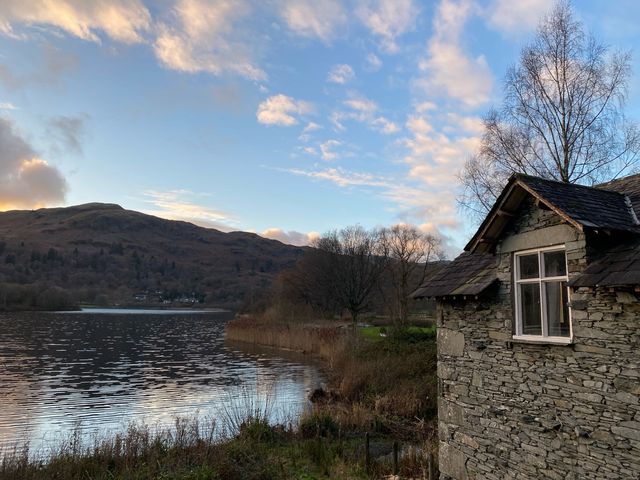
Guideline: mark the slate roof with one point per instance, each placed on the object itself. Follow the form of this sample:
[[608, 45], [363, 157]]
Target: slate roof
[[629, 186], [607, 206], [468, 274], [618, 267], [589, 206]]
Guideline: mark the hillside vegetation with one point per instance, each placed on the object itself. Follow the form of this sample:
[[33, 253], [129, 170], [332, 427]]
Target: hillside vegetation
[[104, 254]]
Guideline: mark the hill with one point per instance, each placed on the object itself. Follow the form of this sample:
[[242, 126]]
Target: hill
[[102, 253]]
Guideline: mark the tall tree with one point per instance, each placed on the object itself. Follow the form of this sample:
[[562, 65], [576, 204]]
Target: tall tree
[[356, 262], [409, 251], [562, 116]]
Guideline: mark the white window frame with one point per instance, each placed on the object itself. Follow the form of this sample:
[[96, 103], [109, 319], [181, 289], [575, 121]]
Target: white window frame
[[544, 337]]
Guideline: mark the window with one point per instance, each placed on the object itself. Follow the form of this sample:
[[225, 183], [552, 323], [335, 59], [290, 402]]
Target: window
[[542, 295]]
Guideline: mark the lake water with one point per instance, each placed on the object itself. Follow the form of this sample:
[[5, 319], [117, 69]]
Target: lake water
[[99, 371]]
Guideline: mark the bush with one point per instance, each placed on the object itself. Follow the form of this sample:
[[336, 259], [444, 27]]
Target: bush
[[256, 429], [318, 424]]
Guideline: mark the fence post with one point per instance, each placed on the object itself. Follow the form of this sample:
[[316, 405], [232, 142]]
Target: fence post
[[367, 457], [395, 457], [431, 469]]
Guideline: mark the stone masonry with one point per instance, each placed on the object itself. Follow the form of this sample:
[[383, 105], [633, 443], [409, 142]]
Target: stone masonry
[[512, 410]]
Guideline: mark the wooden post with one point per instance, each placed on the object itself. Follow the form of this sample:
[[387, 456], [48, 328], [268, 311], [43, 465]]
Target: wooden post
[[432, 472], [367, 457], [395, 457]]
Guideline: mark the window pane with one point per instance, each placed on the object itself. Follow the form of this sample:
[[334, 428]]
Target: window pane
[[530, 308], [528, 266], [557, 308], [554, 264]]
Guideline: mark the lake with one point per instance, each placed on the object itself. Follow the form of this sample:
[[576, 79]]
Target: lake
[[98, 371]]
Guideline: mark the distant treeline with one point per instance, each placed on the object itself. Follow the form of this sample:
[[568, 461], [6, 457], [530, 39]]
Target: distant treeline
[[34, 297]]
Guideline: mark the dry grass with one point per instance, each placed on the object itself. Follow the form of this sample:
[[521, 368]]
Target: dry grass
[[388, 385], [323, 338]]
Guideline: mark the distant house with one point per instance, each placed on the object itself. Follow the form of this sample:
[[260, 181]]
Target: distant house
[[539, 337]]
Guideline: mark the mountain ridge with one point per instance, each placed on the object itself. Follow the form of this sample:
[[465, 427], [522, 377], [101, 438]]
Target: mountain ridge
[[103, 250]]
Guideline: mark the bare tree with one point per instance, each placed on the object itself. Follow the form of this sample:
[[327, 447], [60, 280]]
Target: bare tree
[[355, 261], [410, 251], [562, 116]]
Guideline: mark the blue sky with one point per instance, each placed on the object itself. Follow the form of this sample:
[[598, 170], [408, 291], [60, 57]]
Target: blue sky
[[283, 117]]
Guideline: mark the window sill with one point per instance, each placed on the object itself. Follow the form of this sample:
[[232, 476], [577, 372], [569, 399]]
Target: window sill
[[542, 340]]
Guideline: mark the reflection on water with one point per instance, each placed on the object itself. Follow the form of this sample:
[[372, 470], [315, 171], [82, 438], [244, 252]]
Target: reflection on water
[[103, 371]]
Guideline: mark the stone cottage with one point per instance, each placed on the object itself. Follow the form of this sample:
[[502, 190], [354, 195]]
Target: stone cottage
[[539, 337]]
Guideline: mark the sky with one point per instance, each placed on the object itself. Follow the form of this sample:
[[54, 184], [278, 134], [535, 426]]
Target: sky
[[287, 118]]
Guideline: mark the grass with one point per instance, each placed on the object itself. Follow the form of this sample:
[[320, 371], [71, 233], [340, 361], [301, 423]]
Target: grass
[[377, 334], [259, 451]]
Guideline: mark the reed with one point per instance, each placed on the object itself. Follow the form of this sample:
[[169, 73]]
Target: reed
[[323, 338]]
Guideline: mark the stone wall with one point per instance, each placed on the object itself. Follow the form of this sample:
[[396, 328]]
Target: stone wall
[[529, 411]]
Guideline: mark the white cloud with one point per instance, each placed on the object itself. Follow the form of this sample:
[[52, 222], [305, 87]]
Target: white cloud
[[448, 68], [204, 36], [386, 126], [311, 127], [343, 178], [305, 136], [363, 110], [26, 180], [327, 150], [282, 110], [290, 237], [314, 19], [183, 205], [517, 17], [435, 156], [7, 106], [122, 20], [373, 62], [341, 74], [388, 19], [310, 150]]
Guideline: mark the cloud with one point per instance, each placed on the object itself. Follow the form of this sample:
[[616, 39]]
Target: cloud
[[182, 205], [290, 237], [373, 62], [68, 132], [26, 180], [388, 19], [7, 106], [122, 20], [203, 36], [314, 19], [448, 68], [341, 74], [363, 110], [327, 151], [282, 110], [342, 177], [517, 17], [305, 136], [386, 126], [436, 148]]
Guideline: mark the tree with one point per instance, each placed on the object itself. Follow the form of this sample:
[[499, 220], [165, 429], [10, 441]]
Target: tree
[[355, 259], [339, 273], [562, 116], [410, 252]]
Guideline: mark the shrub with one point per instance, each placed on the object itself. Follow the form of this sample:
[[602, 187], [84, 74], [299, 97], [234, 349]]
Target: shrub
[[318, 423]]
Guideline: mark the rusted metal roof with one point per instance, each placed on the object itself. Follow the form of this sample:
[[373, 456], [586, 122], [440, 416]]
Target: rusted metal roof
[[606, 206], [468, 274]]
